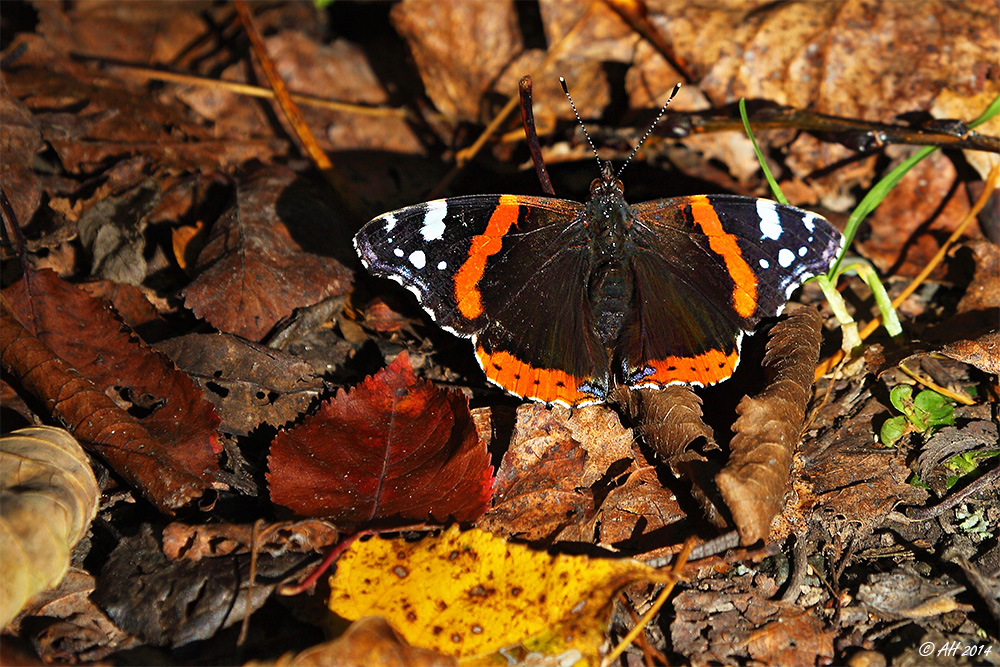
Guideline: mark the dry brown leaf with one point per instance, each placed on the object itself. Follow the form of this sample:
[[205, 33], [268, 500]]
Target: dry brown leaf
[[368, 641], [49, 497], [119, 438], [249, 384], [668, 419], [983, 352], [438, 36], [768, 428], [20, 142], [264, 258]]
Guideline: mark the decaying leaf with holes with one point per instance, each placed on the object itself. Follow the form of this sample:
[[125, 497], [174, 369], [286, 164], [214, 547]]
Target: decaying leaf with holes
[[471, 595]]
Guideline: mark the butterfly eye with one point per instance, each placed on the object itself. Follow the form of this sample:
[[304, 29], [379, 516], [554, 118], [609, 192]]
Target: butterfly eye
[[596, 185]]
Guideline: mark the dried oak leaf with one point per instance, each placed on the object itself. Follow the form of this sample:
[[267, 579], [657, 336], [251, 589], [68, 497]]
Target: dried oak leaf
[[249, 384], [172, 603], [49, 497], [166, 443], [393, 447], [255, 270], [767, 430]]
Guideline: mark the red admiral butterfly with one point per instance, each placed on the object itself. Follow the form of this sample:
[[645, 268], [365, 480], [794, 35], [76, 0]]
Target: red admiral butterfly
[[563, 299]]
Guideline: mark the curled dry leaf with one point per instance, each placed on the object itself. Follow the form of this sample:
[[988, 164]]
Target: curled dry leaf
[[470, 594], [983, 352], [753, 482], [194, 542], [393, 447], [668, 419], [49, 497]]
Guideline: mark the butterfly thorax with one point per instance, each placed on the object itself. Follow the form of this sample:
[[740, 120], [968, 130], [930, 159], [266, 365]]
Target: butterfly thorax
[[610, 284]]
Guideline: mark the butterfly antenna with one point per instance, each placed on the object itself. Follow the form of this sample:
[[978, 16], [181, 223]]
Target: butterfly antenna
[[562, 82], [650, 130]]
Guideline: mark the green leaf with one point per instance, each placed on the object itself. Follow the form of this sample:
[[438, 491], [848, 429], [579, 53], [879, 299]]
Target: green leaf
[[892, 430], [936, 410], [775, 188], [868, 274], [929, 401], [901, 397]]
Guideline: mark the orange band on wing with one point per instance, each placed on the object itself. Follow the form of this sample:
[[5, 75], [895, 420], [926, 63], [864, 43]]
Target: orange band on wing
[[524, 380], [706, 368], [724, 245], [470, 301]]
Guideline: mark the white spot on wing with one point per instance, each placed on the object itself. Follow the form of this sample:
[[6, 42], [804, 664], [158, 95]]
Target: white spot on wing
[[764, 264], [398, 252], [433, 228], [770, 226], [390, 222], [418, 259], [802, 251], [809, 221], [785, 257], [442, 265]]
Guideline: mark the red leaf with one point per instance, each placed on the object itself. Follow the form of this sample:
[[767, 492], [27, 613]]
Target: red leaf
[[392, 447]]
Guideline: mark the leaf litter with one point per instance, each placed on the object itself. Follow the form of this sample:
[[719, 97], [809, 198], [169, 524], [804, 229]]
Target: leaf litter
[[111, 172]]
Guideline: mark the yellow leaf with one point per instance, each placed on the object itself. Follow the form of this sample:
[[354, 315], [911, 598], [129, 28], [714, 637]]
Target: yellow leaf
[[49, 497], [470, 594]]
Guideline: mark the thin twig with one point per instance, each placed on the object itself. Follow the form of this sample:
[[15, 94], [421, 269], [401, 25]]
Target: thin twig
[[531, 133], [293, 113], [931, 384], [676, 568], [987, 480], [251, 90], [248, 607]]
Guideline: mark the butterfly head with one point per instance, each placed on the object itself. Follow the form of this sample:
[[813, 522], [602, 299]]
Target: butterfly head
[[607, 184]]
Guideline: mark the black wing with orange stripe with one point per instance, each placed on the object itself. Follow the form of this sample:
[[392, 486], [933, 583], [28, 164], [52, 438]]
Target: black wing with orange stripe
[[707, 269], [508, 271]]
